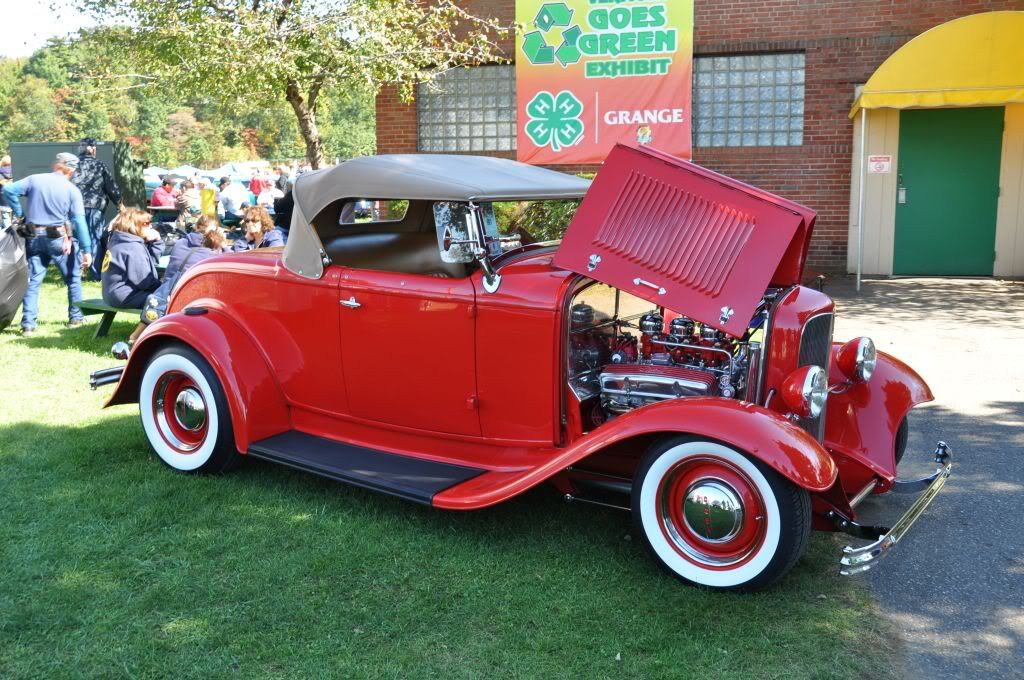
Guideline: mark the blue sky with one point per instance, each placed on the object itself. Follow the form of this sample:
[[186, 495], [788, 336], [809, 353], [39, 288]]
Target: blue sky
[[25, 25]]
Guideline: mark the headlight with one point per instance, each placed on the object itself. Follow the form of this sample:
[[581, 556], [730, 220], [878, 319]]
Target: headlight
[[857, 359], [805, 391]]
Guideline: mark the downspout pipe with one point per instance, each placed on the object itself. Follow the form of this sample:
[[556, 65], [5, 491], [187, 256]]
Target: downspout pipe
[[861, 193]]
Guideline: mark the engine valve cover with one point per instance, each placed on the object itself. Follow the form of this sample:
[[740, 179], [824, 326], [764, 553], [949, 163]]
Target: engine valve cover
[[628, 386]]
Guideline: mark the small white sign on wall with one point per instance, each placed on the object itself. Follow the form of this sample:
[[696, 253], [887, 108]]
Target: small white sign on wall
[[880, 165]]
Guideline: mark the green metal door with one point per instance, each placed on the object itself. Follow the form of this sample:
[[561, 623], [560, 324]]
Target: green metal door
[[948, 188]]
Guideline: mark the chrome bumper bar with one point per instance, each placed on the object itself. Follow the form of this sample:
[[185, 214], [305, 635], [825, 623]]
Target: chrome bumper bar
[[857, 560]]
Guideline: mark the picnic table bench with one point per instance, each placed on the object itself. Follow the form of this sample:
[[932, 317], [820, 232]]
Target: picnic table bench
[[91, 307]]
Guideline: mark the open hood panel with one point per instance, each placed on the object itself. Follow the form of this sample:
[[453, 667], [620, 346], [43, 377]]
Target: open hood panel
[[686, 238]]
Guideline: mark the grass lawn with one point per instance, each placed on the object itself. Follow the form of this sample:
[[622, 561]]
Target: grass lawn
[[113, 565]]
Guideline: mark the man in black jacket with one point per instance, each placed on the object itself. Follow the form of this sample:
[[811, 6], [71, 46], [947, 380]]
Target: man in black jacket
[[97, 186]]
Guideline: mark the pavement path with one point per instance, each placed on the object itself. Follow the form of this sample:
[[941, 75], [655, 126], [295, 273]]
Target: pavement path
[[955, 585]]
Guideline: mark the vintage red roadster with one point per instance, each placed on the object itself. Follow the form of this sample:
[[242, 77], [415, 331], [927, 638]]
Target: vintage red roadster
[[663, 358]]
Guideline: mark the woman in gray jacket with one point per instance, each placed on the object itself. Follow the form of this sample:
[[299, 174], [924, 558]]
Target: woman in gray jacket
[[129, 267]]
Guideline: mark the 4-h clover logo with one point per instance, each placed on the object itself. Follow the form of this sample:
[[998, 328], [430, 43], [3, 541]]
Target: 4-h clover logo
[[553, 15], [555, 120]]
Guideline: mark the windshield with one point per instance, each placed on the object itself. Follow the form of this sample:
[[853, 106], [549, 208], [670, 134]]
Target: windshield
[[534, 221]]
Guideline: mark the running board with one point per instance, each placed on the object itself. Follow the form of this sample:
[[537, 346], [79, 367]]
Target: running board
[[411, 478]]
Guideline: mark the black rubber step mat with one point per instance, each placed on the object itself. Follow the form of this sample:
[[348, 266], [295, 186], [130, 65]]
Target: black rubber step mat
[[411, 478]]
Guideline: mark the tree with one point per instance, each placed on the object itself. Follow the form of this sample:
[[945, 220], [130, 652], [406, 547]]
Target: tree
[[349, 117], [31, 113], [296, 50]]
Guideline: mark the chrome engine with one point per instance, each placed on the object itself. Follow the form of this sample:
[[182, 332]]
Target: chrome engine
[[626, 387], [617, 364]]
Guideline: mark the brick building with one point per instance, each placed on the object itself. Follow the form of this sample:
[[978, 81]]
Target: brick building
[[823, 50]]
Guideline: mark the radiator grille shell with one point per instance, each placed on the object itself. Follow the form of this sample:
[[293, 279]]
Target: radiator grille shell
[[816, 349]]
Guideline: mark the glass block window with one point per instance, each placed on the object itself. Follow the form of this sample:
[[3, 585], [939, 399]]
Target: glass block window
[[468, 109], [748, 100]]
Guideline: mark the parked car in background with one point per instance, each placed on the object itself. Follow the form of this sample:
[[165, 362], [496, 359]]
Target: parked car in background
[[663, 359]]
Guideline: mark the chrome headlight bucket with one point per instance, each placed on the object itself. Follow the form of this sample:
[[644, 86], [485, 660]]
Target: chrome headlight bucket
[[857, 359], [805, 391]]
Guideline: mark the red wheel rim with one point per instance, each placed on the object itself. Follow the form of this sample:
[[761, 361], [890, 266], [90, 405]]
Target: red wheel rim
[[711, 512], [180, 412]]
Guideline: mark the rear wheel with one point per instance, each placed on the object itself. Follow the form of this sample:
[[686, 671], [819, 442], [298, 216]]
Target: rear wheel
[[713, 517], [185, 413]]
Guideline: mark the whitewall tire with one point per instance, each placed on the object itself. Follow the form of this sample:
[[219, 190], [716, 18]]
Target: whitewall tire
[[184, 412], [714, 517]]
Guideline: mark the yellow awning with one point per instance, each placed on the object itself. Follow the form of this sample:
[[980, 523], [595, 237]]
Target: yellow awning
[[977, 60]]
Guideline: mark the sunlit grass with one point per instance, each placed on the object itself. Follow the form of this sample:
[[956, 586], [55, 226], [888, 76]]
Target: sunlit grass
[[112, 565]]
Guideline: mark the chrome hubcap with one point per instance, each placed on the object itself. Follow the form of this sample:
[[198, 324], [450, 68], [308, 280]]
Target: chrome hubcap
[[180, 412], [713, 511], [190, 409]]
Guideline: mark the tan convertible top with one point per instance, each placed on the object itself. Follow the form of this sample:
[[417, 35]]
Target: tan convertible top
[[424, 177]]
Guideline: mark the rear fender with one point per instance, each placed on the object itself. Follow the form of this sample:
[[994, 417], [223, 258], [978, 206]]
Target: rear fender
[[763, 434], [256, 402], [861, 423]]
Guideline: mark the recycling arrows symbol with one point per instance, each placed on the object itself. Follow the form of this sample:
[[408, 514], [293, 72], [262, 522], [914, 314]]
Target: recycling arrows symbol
[[535, 45]]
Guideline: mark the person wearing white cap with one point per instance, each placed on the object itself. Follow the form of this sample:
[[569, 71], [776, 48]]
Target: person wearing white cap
[[52, 202]]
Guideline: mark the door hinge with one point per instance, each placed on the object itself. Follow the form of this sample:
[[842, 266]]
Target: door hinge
[[471, 310], [473, 403]]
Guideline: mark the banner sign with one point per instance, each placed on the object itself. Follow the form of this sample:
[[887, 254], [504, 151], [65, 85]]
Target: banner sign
[[590, 73]]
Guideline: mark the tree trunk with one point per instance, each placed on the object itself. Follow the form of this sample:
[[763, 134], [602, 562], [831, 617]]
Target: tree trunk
[[305, 112]]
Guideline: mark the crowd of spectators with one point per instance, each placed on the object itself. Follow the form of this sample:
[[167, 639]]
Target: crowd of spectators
[[63, 225], [231, 197]]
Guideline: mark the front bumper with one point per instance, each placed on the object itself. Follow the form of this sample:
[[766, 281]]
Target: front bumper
[[860, 559]]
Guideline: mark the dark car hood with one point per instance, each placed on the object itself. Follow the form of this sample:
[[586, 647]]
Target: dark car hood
[[685, 237]]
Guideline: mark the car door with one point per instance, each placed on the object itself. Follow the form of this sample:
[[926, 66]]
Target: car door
[[409, 350]]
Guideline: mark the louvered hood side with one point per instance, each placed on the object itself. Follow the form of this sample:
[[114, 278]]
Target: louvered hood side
[[684, 237]]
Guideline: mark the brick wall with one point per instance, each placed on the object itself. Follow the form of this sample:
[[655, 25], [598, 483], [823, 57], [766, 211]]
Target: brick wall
[[844, 40]]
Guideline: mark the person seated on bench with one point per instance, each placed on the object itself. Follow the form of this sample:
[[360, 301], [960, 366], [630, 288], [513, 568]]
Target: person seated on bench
[[233, 199], [214, 242], [129, 271], [259, 231], [164, 195], [193, 242]]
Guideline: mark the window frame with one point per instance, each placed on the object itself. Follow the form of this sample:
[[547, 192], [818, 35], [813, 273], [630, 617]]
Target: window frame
[[749, 99], [468, 110]]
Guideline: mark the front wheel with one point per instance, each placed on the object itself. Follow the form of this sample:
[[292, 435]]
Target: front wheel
[[185, 413], [714, 517], [902, 434]]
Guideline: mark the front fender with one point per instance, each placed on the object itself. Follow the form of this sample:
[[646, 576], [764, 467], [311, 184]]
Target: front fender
[[256, 402], [861, 423], [761, 433]]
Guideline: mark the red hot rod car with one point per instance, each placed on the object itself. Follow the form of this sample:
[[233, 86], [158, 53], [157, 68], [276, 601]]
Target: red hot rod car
[[663, 358]]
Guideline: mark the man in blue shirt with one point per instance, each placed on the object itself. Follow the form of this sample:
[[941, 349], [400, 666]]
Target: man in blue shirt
[[52, 202]]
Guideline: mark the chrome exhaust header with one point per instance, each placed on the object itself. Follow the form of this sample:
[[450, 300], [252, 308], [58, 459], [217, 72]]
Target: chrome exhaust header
[[105, 376]]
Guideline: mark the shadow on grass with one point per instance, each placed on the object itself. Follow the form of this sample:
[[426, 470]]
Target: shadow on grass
[[52, 331], [97, 453], [81, 338], [112, 559]]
